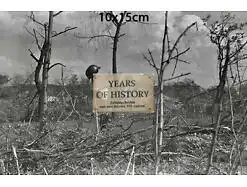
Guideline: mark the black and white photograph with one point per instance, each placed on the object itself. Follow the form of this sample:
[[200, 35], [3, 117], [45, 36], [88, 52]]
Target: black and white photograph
[[123, 92]]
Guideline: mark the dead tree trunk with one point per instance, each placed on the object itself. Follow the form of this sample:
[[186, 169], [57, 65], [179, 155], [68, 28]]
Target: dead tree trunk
[[160, 123], [114, 51], [118, 25], [44, 62], [46, 65], [164, 62], [114, 56], [217, 106], [114, 37], [230, 41]]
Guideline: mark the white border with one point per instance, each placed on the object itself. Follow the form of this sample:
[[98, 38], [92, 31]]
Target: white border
[[124, 181], [117, 5]]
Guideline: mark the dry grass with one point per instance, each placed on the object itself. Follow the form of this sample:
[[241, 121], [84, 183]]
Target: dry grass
[[71, 148]]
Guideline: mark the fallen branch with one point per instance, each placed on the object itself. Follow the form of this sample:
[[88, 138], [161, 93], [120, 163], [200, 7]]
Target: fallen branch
[[36, 151], [201, 130], [16, 160], [45, 171], [92, 172], [132, 153], [36, 140], [89, 154]]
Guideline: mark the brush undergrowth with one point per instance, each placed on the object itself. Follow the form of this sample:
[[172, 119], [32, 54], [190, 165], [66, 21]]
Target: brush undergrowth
[[74, 150]]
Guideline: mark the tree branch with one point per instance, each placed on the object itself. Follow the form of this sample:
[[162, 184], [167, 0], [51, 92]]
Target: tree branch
[[175, 63], [183, 61], [41, 35], [55, 65], [122, 18], [93, 37], [34, 57], [36, 39], [35, 95], [179, 54], [164, 40], [238, 50], [151, 55], [114, 20], [56, 14], [179, 38], [140, 22], [65, 30], [121, 35], [181, 75], [29, 31], [150, 62], [32, 17]]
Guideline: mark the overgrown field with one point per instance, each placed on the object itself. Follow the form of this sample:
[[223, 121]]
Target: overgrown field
[[72, 147], [69, 144]]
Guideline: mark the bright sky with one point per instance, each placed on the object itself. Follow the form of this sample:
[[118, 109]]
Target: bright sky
[[77, 54]]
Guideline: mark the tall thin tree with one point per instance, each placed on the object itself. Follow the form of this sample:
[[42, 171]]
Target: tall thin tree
[[44, 45], [113, 36], [228, 37], [169, 53]]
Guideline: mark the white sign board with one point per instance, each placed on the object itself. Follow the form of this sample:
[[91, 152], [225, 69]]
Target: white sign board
[[123, 93]]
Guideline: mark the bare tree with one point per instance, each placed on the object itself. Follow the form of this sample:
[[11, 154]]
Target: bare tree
[[113, 36], [44, 44], [169, 53], [230, 40]]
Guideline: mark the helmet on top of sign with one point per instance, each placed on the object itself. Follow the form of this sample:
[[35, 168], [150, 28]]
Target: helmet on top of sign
[[91, 70]]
